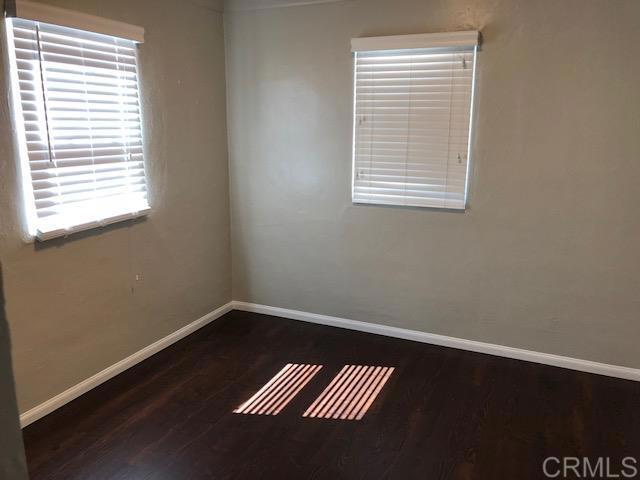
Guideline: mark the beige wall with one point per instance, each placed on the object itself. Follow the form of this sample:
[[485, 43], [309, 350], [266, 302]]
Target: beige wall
[[74, 306], [13, 465], [547, 256]]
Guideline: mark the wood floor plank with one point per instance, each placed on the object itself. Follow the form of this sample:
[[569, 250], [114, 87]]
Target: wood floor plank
[[443, 414]]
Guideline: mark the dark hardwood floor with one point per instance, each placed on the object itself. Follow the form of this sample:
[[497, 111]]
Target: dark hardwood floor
[[444, 413]]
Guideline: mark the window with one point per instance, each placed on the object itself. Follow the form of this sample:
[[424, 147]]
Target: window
[[412, 116], [77, 111]]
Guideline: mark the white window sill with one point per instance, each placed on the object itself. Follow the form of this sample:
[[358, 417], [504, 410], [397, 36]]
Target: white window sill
[[43, 235]]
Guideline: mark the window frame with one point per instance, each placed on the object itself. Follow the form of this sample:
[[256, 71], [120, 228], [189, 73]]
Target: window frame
[[84, 24], [443, 41]]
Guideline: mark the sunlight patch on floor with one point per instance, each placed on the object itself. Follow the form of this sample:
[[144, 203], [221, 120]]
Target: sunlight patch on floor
[[351, 393], [280, 390]]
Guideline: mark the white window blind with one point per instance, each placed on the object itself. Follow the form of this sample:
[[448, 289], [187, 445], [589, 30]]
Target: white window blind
[[78, 116], [412, 113]]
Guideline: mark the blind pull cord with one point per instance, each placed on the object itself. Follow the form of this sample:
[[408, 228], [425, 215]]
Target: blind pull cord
[[44, 93]]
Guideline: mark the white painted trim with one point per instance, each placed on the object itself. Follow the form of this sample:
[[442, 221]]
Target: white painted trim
[[74, 392], [468, 38], [44, 235], [39, 12], [445, 341]]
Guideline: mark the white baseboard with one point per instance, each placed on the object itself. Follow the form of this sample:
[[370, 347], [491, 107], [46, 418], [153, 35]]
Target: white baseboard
[[74, 392], [442, 340]]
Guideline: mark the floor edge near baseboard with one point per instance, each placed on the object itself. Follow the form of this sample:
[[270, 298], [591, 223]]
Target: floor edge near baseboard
[[108, 373], [74, 392], [570, 363]]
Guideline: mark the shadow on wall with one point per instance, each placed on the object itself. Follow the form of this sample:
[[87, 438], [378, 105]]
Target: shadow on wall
[[12, 460]]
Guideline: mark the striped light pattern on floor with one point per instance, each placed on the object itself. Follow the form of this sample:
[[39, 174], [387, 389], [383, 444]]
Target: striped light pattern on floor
[[350, 393], [280, 390]]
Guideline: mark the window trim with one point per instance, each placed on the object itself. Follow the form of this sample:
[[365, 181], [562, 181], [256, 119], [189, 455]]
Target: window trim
[[63, 17], [466, 38]]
